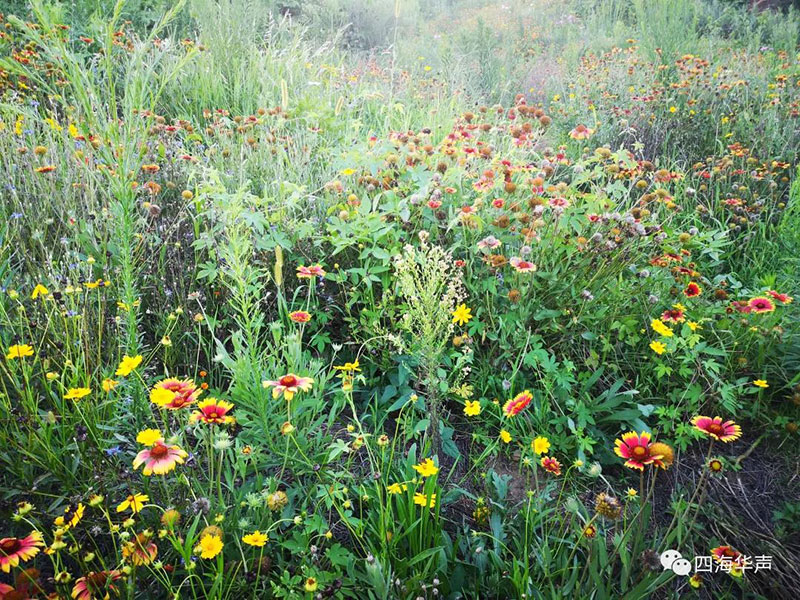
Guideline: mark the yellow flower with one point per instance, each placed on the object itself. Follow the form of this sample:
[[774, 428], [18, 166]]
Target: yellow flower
[[658, 347], [694, 325], [310, 585], [77, 393], [472, 408], [426, 468], [464, 391], [422, 500], [109, 384], [631, 493], [541, 445], [762, 383], [39, 290], [135, 502], [255, 539], [462, 314], [505, 436], [161, 396], [148, 437], [19, 351], [396, 488], [209, 546], [23, 508], [128, 364], [660, 328], [350, 367]]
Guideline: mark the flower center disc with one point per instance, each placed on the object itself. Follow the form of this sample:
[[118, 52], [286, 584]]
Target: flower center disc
[[10, 546], [158, 451]]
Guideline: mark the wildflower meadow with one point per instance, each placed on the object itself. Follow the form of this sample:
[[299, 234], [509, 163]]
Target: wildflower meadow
[[392, 299]]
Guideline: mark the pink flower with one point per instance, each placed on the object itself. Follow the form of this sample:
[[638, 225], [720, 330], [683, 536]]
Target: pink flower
[[581, 132], [289, 385], [310, 272], [522, 266], [159, 458], [761, 305]]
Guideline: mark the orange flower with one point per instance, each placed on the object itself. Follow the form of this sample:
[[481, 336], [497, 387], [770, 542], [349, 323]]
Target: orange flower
[[300, 316]]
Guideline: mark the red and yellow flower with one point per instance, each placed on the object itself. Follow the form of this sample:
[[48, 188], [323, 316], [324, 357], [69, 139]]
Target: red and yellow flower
[[551, 465], [300, 316], [727, 556], [26, 586], [782, 298], [673, 315], [517, 404], [95, 585], [213, 412], [692, 290], [15, 550], [174, 393], [636, 449], [715, 428], [141, 550]]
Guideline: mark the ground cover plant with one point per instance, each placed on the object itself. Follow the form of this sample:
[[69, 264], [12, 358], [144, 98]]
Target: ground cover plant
[[456, 299]]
